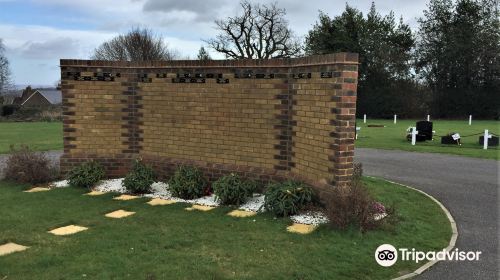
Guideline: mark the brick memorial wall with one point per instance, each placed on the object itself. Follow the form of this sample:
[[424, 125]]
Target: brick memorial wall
[[264, 119]]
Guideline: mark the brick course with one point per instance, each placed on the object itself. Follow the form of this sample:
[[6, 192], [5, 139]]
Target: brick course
[[264, 119]]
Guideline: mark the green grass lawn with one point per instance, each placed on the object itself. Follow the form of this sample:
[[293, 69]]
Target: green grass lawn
[[393, 136], [40, 136], [44, 136], [167, 242]]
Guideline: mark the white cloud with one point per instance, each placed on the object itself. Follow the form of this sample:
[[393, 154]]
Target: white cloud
[[34, 51]]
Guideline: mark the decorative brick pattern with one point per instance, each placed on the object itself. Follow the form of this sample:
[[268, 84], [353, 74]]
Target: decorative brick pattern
[[264, 119]]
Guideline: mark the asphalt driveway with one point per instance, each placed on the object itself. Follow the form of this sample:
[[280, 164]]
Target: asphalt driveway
[[468, 187]]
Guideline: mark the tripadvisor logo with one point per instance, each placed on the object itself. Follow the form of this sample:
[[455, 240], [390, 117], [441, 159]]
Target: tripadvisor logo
[[387, 255]]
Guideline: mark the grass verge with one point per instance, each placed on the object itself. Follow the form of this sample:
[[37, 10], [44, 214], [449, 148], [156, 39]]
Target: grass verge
[[167, 242]]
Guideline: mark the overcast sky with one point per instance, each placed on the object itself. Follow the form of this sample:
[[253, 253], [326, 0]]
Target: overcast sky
[[37, 33]]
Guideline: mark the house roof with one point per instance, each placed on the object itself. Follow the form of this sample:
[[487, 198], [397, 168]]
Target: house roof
[[54, 96]]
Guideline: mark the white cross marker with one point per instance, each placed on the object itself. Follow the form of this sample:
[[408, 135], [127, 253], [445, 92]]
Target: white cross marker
[[486, 137], [414, 133], [470, 119], [364, 118], [395, 118]]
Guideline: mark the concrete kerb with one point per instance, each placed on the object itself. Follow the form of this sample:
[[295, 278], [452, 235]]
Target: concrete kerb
[[453, 238]]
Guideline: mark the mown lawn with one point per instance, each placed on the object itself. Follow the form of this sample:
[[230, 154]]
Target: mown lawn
[[40, 136], [167, 242], [393, 137]]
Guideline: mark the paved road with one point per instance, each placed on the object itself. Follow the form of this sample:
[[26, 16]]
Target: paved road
[[467, 187]]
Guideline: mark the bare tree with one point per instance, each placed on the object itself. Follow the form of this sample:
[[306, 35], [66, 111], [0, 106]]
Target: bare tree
[[5, 81], [137, 45], [260, 32]]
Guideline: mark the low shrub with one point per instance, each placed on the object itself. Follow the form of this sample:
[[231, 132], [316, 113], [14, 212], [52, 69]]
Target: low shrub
[[86, 175], [26, 166], [7, 110], [287, 198], [358, 171], [354, 206], [232, 190], [140, 179], [187, 183], [32, 113]]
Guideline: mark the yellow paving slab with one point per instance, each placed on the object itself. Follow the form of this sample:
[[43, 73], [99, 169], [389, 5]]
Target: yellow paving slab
[[10, 248], [242, 213], [301, 228], [95, 193], [38, 189], [67, 230], [126, 197], [200, 207], [118, 214], [159, 201]]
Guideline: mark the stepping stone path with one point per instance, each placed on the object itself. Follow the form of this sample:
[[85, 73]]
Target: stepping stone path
[[159, 201], [118, 214], [301, 228], [95, 193], [10, 248], [37, 189], [242, 213], [67, 230], [125, 197], [200, 207]]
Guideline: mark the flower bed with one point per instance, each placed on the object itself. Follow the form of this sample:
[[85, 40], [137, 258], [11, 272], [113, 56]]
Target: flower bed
[[255, 203]]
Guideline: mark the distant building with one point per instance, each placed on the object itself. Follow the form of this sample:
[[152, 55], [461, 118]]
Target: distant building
[[38, 97]]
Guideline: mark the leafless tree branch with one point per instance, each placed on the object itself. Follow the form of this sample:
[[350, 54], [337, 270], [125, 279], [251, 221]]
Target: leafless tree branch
[[260, 32]]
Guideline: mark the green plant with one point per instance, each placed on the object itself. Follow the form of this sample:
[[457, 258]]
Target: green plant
[[287, 198], [187, 183], [86, 175], [25, 166], [139, 180], [232, 190]]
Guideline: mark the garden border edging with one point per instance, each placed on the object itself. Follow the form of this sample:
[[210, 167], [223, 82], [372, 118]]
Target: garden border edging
[[453, 224]]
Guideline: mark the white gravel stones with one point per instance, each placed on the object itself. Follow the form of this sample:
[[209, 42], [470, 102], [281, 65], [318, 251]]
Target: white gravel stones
[[254, 204], [380, 216], [60, 184], [206, 201], [160, 190], [111, 185], [310, 218]]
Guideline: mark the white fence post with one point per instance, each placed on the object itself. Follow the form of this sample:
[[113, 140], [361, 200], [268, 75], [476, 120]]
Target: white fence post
[[470, 119], [395, 119], [414, 133], [364, 118], [428, 117], [486, 137]]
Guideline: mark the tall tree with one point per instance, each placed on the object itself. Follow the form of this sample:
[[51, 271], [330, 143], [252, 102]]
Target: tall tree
[[5, 81], [137, 45], [385, 52], [261, 32], [203, 54], [457, 56]]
